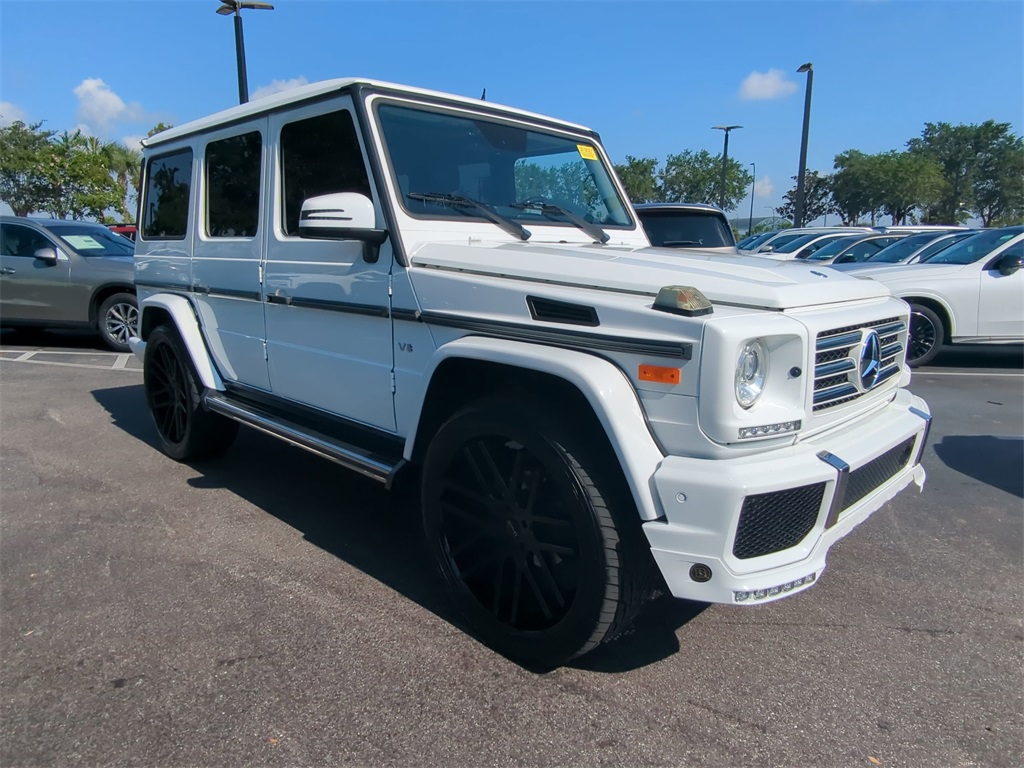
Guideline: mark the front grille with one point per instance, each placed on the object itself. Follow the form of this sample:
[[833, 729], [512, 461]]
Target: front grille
[[771, 522], [867, 478], [837, 360]]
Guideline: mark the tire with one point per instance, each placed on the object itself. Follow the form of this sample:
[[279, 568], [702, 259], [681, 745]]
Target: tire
[[541, 587], [926, 337], [185, 429], [118, 319]]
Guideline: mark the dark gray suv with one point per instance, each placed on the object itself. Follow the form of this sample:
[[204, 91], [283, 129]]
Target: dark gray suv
[[67, 274], [692, 226]]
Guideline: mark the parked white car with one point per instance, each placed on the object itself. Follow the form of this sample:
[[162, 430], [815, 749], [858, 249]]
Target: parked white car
[[784, 236], [430, 287], [968, 293]]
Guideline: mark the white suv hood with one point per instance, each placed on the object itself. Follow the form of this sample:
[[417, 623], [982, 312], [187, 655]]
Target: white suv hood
[[735, 280]]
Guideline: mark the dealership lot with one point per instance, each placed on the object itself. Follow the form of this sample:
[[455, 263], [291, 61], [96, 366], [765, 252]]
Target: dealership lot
[[271, 608]]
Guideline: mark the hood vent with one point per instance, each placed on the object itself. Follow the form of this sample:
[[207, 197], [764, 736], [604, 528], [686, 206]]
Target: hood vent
[[551, 311]]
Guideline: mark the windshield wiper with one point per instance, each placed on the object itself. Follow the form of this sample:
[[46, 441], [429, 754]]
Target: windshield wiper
[[507, 224], [551, 210]]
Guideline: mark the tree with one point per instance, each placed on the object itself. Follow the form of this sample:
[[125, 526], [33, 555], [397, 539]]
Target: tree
[[695, 177], [817, 198], [853, 186], [24, 149], [77, 180], [639, 177], [903, 182], [998, 184], [965, 154], [125, 165], [158, 128]]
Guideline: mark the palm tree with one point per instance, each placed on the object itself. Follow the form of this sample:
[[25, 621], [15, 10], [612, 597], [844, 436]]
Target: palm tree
[[125, 165]]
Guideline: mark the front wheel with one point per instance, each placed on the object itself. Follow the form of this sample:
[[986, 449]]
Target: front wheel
[[534, 532], [186, 430], [926, 336], [118, 318]]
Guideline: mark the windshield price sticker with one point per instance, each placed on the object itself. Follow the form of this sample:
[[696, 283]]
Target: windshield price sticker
[[587, 152], [83, 242]]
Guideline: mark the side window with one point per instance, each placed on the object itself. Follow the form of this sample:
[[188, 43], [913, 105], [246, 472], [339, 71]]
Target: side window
[[233, 186], [16, 240], [165, 207], [319, 155]]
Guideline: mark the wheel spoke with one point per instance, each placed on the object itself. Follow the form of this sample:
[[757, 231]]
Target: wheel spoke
[[517, 581], [549, 578], [556, 549], [474, 467], [494, 554], [474, 520], [528, 574]]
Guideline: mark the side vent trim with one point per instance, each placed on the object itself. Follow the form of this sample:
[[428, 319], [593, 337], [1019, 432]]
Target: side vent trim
[[553, 311]]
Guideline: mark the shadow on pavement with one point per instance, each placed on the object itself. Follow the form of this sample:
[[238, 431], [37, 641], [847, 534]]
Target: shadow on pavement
[[995, 461], [358, 521], [60, 339], [1008, 357]]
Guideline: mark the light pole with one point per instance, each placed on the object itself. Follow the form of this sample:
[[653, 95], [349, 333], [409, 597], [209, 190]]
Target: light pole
[[798, 214], [725, 160], [234, 7], [753, 181]]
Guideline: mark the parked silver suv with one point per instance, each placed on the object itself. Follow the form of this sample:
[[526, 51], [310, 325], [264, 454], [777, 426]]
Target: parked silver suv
[[67, 274]]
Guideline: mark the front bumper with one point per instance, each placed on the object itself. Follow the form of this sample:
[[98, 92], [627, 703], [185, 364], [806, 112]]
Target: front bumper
[[839, 479]]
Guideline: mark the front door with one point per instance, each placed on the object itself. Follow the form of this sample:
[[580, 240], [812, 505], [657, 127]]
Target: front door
[[32, 290], [327, 309], [1001, 302]]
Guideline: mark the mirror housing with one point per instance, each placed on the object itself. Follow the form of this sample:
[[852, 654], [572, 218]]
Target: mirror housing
[[342, 216], [1009, 263], [46, 255]]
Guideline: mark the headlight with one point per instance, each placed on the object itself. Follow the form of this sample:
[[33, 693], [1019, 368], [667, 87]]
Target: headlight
[[751, 372]]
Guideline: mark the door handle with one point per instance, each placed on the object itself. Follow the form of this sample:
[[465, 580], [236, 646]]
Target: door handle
[[6, 271]]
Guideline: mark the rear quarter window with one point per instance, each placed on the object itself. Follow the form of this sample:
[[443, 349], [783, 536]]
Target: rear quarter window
[[165, 205]]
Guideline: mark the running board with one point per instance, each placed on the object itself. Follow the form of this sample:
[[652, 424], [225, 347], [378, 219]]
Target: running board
[[350, 456]]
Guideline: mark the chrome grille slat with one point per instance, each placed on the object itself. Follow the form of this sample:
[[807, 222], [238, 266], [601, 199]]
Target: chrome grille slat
[[836, 370]]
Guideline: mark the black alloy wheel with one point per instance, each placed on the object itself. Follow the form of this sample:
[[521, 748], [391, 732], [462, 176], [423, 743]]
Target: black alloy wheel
[[925, 338], [519, 515], [186, 430]]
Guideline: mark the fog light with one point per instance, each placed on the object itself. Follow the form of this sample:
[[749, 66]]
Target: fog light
[[700, 572], [766, 430]]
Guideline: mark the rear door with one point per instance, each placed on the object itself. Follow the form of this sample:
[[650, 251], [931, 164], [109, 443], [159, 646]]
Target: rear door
[[1000, 306]]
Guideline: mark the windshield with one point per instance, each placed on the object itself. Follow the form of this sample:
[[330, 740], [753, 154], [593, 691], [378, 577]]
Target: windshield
[[942, 244], [757, 240], [436, 155], [686, 228], [974, 248], [779, 240], [92, 240], [795, 244], [835, 247], [901, 249]]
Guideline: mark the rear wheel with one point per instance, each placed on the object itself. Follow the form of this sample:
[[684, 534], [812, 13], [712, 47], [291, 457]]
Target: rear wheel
[[118, 319], [926, 335], [186, 429], [533, 530]]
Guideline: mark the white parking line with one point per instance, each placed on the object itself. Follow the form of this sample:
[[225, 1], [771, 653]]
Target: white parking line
[[24, 356], [122, 361], [22, 359], [969, 373]]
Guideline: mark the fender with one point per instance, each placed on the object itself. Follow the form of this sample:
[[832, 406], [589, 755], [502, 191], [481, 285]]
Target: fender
[[910, 294], [605, 387], [184, 319]]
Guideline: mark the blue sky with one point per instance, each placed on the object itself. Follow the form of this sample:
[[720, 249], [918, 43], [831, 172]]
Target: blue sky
[[651, 77]]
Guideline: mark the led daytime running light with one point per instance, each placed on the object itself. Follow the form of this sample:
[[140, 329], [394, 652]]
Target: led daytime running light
[[766, 430]]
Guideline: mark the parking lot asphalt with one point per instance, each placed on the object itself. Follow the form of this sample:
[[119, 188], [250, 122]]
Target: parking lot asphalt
[[269, 608]]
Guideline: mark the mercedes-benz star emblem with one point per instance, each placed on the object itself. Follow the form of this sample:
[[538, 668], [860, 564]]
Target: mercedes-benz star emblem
[[870, 360]]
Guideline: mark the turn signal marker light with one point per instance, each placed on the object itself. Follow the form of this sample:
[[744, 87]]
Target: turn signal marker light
[[659, 374]]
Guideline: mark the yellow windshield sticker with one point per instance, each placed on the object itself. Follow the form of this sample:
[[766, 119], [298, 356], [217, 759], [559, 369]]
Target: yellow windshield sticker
[[586, 152]]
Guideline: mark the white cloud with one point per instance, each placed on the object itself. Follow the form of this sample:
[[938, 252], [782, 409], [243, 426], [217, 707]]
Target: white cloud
[[276, 86], [763, 187], [99, 108], [133, 142], [11, 113], [766, 85]]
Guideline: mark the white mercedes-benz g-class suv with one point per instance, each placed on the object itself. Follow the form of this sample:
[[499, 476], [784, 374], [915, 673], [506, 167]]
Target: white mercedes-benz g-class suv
[[404, 281]]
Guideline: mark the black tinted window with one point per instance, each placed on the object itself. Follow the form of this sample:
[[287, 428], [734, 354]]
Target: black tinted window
[[233, 186], [686, 229], [319, 156], [165, 208], [16, 240]]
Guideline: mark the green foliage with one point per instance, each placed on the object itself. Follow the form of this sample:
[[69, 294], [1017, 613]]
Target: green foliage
[[817, 198], [853, 186], [24, 151], [158, 128], [695, 177], [569, 185], [78, 182], [998, 182], [904, 181], [639, 177]]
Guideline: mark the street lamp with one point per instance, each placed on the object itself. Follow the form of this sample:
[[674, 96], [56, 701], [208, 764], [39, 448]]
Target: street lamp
[[227, 8], [750, 222], [798, 214], [725, 160]]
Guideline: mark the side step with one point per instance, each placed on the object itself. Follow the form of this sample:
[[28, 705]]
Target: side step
[[368, 463]]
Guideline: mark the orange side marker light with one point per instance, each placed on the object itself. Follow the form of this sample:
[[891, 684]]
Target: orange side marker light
[[660, 374]]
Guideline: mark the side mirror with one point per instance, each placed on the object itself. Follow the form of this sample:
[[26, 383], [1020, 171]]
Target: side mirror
[[766, 249], [46, 255], [1009, 263], [342, 216]]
